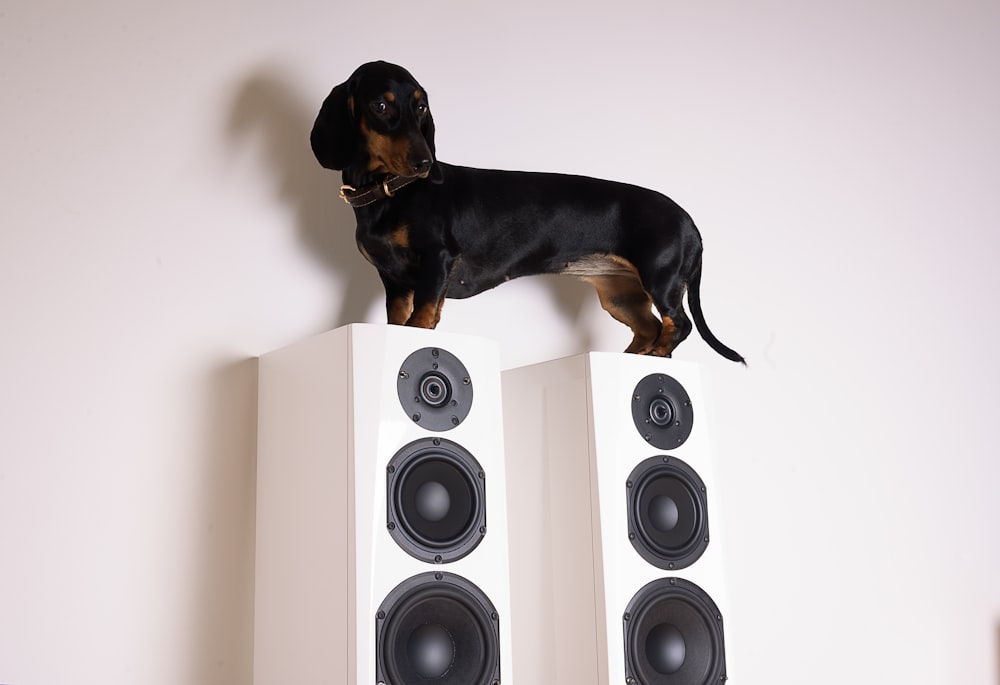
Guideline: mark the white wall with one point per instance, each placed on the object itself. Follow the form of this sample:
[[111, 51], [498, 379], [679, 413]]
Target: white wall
[[164, 223]]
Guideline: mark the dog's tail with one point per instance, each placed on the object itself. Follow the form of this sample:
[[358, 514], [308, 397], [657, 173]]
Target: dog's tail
[[694, 302]]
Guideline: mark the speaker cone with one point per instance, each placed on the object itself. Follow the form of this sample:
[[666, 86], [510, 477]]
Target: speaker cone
[[437, 629], [436, 495], [673, 636], [662, 412], [435, 389], [667, 512]]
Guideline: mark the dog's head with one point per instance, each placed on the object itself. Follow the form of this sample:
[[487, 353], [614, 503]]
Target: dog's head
[[378, 121]]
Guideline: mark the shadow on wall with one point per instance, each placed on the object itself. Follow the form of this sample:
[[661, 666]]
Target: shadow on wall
[[266, 106]]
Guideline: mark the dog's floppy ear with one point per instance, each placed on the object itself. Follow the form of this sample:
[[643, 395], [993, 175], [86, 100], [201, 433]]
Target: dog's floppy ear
[[334, 137]]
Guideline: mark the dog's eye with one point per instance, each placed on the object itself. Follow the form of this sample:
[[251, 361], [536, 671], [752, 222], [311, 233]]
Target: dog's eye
[[422, 109], [379, 107]]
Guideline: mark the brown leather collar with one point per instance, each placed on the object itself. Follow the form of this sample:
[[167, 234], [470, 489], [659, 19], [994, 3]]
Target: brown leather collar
[[376, 191]]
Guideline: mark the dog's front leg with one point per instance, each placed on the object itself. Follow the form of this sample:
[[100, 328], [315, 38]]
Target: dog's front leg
[[428, 297], [398, 302]]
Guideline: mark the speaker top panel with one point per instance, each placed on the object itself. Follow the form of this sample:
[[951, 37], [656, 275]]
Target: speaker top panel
[[435, 389], [662, 411]]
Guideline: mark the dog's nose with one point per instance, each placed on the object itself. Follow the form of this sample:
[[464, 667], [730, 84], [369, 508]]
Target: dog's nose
[[422, 167]]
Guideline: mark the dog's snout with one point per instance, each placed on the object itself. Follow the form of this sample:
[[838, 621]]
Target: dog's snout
[[422, 167]]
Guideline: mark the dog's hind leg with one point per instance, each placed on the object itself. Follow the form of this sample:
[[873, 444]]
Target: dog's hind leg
[[623, 297], [676, 324]]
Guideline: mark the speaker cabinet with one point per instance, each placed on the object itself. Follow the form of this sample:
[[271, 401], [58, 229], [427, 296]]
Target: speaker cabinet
[[616, 565], [381, 511]]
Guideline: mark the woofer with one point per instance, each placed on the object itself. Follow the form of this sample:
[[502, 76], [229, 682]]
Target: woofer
[[439, 629], [436, 495], [667, 512], [662, 411], [435, 389], [673, 636]]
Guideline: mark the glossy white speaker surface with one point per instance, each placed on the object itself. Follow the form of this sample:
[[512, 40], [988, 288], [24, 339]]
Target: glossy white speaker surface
[[330, 420], [571, 446]]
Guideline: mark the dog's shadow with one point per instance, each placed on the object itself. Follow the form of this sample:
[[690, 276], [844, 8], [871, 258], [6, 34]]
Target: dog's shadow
[[268, 113]]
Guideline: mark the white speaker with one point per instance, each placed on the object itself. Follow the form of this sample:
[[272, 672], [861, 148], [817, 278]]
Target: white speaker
[[616, 557], [381, 511]]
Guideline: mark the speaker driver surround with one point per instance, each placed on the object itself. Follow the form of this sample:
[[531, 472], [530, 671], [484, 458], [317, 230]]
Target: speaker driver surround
[[439, 629], [662, 411], [673, 636], [667, 512], [436, 497], [435, 389]]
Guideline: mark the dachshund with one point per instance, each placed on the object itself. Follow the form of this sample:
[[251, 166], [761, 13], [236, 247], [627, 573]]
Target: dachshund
[[435, 230]]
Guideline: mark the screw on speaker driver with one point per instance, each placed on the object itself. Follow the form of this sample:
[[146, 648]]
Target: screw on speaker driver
[[435, 389], [667, 512], [662, 412], [673, 636], [437, 629], [436, 497]]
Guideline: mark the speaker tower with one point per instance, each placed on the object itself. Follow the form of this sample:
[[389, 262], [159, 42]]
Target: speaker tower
[[616, 568], [381, 525]]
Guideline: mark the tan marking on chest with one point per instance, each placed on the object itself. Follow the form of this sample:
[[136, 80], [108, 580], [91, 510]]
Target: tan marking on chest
[[400, 237]]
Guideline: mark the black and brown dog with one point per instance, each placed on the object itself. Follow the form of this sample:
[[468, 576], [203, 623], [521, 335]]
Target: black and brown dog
[[435, 230]]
